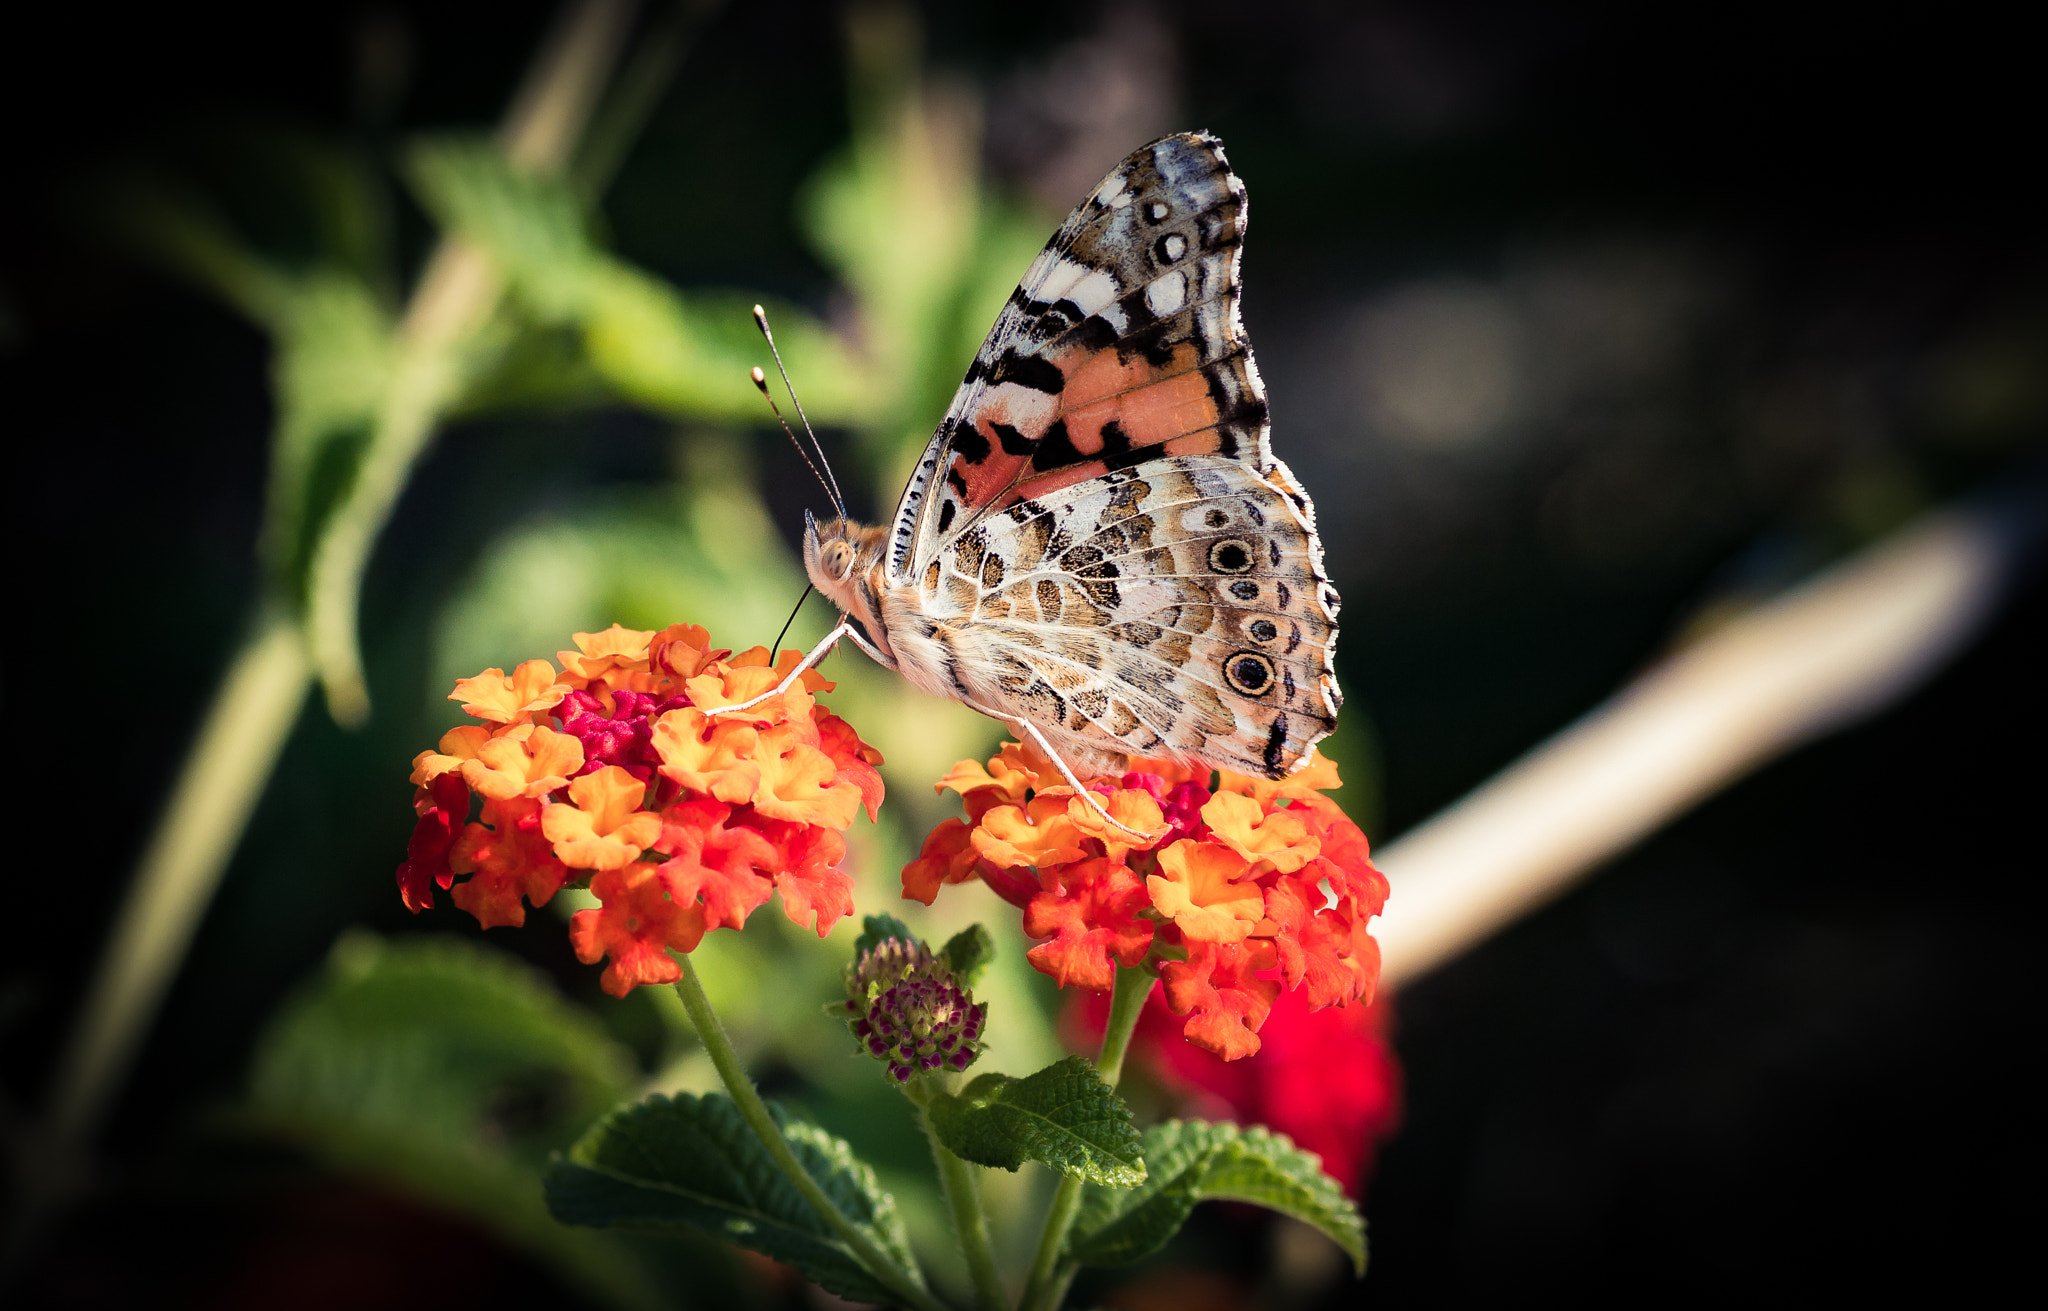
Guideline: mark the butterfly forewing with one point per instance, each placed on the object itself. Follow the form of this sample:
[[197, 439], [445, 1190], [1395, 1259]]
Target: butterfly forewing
[[1098, 542], [1121, 344]]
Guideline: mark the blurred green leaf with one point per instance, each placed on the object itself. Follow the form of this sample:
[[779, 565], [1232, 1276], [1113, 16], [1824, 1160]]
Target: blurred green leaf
[[453, 1071], [878, 929], [692, 1163], [1064, 1116], [683, 354], [1192, 1161], [968, 952]]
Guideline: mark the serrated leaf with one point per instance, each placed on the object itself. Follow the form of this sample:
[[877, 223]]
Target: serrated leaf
[[692, 1163], [1064, 1116], [878, 929], [1192, 1161], [968, 952]]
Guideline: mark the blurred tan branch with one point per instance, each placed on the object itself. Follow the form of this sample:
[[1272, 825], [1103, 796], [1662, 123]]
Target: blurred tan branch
[[252, 714], [1837, 648]]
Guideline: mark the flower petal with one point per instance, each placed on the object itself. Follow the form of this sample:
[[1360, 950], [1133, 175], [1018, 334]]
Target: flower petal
[[1093, 912], [1218, 989], [720, 865], [1280, 838], [1202, 887], [636, 925]]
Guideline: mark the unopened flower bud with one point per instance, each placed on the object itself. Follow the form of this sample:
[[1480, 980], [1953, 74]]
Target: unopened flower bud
[[909, 1011]]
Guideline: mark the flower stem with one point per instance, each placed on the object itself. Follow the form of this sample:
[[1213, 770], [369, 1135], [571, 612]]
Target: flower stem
[[905, 1284], [238, 745], [1049, 1280], [963, 1198]]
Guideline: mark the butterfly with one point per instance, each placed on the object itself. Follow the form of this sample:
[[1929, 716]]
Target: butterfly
[[1098, 546]]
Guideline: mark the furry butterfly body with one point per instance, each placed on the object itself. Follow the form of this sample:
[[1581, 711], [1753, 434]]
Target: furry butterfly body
[[1098, 546]]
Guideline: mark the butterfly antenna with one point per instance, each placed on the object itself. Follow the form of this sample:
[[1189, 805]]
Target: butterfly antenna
[[761, 322], [776, 645], [761, 385]]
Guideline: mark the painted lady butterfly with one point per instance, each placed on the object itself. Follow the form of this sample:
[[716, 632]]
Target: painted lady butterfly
[[1098, 546]]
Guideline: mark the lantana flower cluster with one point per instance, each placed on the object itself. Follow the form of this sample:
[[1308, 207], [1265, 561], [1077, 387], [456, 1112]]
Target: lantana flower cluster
[[1238, 888], [609, 773]]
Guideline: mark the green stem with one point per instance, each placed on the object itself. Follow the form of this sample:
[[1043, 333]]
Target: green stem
[[456, 295], [221, 782], [754, 1111], [963, 1198], [1048, 1283]]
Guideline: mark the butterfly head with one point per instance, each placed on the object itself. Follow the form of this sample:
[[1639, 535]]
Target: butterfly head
[[844, 560]]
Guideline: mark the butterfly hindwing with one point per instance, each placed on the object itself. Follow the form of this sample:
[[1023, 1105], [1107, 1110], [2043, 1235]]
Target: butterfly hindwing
[[1173, 610], [1121, 344]]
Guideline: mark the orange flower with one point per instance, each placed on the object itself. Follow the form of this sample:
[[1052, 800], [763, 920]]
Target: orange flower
[[680, 651], [1219, 989], [1203, 890], [528, 761], [1038, 833], [615, 650], [948, 857], [605, 828], [716, 863], [801, 783], [458, 746], [713, 756], [493, 696], [1135, 810], [816, 892], [1092, 911], [855, 760], [1280, 838], [637, 925], [511, 858]]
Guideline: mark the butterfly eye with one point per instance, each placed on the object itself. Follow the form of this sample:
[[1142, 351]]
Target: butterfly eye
[[838, 559]]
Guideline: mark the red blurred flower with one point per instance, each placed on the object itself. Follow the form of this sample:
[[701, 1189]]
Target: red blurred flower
[[1326, 1078]]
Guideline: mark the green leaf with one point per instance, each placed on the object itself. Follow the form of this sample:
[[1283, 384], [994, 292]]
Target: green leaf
[[878, 929], [1064, 1116], [692, 1163], [968, 952], [680, 353], [453, 1071], [533, 227], [1193, 1161]]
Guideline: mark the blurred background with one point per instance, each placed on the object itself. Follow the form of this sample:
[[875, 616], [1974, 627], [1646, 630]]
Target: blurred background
[[1586, 326]]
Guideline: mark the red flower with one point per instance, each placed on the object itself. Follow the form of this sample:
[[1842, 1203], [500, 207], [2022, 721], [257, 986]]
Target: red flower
[[1326, 1078], [512, 859], [443, 806]]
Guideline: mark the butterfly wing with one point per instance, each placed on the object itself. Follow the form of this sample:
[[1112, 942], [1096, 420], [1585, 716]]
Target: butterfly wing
[[1121, 344], [1175, 609]]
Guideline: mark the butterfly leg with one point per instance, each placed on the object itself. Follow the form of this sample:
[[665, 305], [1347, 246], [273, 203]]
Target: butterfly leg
[[817, 653], [1067, 772]]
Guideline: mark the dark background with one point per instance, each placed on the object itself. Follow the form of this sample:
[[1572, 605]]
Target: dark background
[[1775, 1051]]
